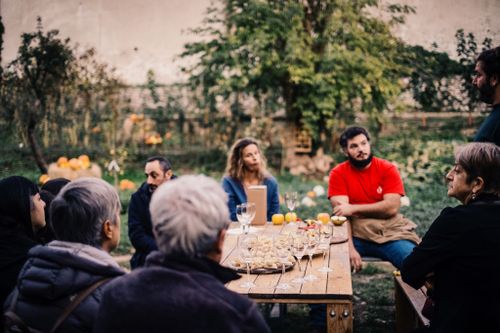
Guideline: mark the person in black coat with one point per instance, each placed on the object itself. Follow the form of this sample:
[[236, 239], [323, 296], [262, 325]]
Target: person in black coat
[[86, 222], [460, 252], [158, 170], [48, 192], [181, 288], [21, 216]]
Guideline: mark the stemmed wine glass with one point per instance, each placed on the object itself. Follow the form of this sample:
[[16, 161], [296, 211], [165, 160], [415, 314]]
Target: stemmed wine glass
[[246, 247], [291, 201], [325, 234], [245, 214], [311, 246], [299, 243], [282, 251]]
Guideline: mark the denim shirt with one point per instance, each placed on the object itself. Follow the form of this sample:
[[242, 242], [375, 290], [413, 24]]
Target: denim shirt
[[236, 195]]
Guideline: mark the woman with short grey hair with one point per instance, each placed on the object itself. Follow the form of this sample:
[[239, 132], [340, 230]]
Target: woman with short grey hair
[[85, 217], [80, 211], [189, 222], [181, 288], [460, 253]]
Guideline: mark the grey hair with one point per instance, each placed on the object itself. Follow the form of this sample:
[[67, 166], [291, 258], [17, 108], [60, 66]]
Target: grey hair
[[79, 211], [188, 214]]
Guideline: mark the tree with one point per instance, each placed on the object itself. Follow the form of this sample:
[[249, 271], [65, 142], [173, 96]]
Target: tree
[[2, 31], [320, 60], [33, 83]]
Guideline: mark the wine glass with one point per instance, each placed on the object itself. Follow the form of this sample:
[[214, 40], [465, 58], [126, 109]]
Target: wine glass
[[251, 210], [291, 201], [312, 243], [246, 247], [299, 242], [325, 234], [282, 251], [245, 212]]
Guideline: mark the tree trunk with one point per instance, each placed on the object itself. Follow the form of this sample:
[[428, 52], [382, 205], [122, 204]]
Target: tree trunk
[[35, 149]]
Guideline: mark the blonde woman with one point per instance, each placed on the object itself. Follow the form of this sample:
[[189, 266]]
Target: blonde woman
[[246, 167]]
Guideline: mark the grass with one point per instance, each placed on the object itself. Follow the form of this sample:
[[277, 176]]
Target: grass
[[373, 287]]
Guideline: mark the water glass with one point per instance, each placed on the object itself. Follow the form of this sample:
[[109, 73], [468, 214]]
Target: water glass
[[245, 213]]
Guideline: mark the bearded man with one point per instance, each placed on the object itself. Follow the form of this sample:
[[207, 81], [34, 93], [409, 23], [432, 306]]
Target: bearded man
[[487, 81], [157, 170], [368, 191]]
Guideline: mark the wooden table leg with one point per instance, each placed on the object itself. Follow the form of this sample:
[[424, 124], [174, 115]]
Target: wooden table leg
[[339, 317]]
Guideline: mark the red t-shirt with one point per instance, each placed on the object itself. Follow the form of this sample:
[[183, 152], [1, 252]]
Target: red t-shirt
[[365, 186]]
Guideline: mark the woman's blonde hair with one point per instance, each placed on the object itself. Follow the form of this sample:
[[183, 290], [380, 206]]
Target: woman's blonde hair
[[235, 166]]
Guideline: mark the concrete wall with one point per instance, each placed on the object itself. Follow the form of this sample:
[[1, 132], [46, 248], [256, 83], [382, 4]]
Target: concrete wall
[[137, 35]]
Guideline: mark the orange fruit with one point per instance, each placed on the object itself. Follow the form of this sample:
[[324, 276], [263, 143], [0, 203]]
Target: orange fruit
[[43, 178], [323, 217], [62, 161], [74, 164], [278, 219], [290, 217]]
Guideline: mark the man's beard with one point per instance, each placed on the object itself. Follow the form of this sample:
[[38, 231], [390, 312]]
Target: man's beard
[[360, 164], [152, 188], [486, 93]]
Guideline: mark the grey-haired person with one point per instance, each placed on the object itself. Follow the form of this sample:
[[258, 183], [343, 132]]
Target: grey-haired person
[[460, 253], [85, 217], [181, 288]]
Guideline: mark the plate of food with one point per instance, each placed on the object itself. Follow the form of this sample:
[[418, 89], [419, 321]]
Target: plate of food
[[262, 265]]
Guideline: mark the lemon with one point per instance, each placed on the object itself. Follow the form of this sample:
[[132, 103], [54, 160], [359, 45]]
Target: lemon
[[278, 219], [290, 217]]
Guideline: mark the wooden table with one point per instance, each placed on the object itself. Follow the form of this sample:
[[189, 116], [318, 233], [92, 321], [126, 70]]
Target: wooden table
[[333, 289]]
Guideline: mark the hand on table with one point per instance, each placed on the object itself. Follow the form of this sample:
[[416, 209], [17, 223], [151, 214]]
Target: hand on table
[[355, 259]]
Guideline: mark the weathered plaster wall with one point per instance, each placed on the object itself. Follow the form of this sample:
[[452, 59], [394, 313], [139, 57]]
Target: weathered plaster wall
[[137, 35]]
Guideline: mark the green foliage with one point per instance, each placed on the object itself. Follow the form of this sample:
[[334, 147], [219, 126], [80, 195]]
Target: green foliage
[[433, 74], [34, 81], [436, 77], [321, 61], [468, 52], [53, 92]]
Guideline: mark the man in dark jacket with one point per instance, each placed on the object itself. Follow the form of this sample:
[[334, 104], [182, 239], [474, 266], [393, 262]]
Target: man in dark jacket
[[181, 289], [86, 222], [158, 170]]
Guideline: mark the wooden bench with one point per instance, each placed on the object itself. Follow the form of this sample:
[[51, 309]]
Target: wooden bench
[[409, 303]]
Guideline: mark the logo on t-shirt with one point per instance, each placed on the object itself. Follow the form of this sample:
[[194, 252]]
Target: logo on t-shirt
[[379, 190]]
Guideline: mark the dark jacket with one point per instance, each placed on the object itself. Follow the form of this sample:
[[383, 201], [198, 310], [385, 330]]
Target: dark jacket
[[462, 248], [177, 295], [16, 230], [14, 249], [489, 131], [140, 229], [52, 276]]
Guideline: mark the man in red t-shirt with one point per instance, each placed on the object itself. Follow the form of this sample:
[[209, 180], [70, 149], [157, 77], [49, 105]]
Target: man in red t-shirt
[[368, 190]]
